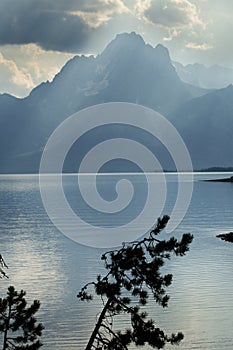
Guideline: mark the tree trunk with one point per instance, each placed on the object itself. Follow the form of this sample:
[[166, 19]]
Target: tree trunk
[[98, 324], [6, 329]]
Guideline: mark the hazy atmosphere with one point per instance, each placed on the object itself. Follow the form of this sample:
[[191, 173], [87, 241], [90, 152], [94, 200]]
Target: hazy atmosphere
[[38, 37], [116, 174]]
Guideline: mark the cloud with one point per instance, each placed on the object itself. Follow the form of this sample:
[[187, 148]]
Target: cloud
[[63, 25], [175, 16], [172, 33], [196, 46], [22, 67], [51, 29], [41, 64], [97, 13], [169, 13], [16, 75]]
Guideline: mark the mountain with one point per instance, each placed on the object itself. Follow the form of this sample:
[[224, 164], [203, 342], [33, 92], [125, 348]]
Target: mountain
[[142, 74], [127, 70], [214, 77], [206, 125]]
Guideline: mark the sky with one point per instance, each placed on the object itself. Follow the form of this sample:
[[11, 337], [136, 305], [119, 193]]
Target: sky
[[37, 37]]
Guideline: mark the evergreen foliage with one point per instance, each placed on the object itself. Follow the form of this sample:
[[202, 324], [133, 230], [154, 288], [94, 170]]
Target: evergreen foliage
[[3, 266], [133, 276], [17, 322]]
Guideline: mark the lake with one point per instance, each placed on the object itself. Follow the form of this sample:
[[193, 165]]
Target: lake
[[53, 268]]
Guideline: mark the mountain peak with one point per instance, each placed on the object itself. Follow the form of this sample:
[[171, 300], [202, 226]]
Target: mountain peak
[[132, 37], [162, 49], [163, 53], [123, 41], [132, 46]]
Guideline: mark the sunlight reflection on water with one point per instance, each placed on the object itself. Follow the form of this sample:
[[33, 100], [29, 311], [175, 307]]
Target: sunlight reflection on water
[[52, 268]]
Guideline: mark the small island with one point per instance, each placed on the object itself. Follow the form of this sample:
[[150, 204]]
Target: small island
[[228, 237], [228, 179]]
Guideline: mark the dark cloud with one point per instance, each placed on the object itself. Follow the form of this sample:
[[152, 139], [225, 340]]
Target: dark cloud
[[47, 23], [80, 5], [168, 17]]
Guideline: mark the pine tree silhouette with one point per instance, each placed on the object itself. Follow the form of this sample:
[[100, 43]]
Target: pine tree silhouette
[[133, 276], [3, 266], [17, 322]]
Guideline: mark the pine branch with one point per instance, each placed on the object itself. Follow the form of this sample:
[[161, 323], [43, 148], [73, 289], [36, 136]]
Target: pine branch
[[136, 268]]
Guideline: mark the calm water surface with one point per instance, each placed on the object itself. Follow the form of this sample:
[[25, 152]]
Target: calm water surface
[[52, 268]]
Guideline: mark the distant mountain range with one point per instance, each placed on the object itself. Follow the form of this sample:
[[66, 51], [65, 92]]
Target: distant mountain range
[[214, 77], [206, 125], [128, 70]]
